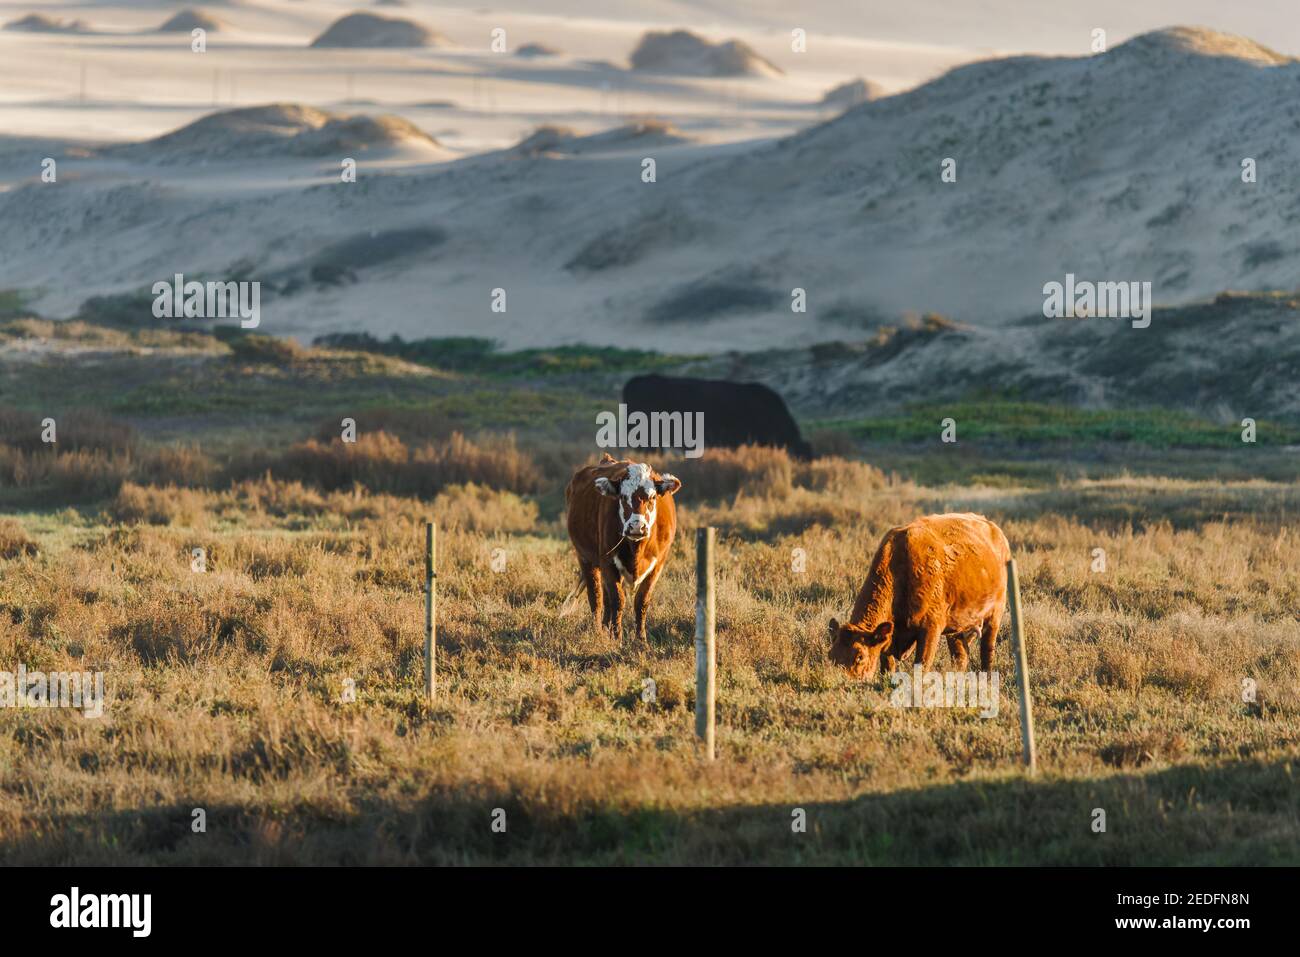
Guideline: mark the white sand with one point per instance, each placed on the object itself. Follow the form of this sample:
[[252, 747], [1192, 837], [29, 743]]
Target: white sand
[[849, 212]]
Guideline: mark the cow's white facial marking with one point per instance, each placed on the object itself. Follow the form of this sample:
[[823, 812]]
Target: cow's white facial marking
[[637, 497]]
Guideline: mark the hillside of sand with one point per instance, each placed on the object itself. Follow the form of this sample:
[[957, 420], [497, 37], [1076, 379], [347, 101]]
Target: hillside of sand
[[853, 211]]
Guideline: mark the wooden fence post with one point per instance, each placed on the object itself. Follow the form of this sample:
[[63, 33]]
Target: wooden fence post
[[430, 609], [1022, 666], [706, 688]]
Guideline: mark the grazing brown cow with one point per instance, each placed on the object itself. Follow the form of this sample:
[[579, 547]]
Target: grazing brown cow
[[621, 521], [942, 575]]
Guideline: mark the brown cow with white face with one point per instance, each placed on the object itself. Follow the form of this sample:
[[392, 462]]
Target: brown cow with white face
[[621, 521]]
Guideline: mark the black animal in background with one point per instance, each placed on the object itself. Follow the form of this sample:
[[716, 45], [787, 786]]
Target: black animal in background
[[735, 413]]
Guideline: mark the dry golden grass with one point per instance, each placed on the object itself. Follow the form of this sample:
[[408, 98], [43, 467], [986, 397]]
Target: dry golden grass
[[80, 471], [14, 541], [383, 462], [79, 430], [226, 687]]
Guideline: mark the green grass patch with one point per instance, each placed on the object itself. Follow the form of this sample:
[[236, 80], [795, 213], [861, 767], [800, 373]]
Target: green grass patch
[[483, 357], [496, 409], [1019, 422], [12, 304]]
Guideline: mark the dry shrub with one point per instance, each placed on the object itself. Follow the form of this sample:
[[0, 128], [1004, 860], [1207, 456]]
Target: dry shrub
[[176, 465], [141, 542], [410, 425], [69, 330], [182, 632], [80, 476], [840, 477], [538, 707], [263, 559], [375, 460], [764, 472], [1135, 750], [724, 473], [269, 350], [1189, 674], [76, 470], [29, 328], [91, 456], [14, 542], [155, 505], [267, 496], [557, 459], [1120, 667], [476, 508], [496, 462], [77, 430], [382, 462]]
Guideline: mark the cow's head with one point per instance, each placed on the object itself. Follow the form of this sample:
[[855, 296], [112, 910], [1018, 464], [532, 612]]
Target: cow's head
[[857, 648], [637, 489]]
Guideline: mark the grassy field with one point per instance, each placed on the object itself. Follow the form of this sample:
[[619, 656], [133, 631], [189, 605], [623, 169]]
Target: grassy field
[[227, 686]]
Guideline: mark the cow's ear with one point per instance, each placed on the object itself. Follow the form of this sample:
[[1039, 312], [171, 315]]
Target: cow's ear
[[607, 458], [668, 484], [834, 628], [884, 631], [606, 487]]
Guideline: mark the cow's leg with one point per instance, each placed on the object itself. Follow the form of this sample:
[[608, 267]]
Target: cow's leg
[[608, 576], [641, 602], [959, 648], [989, 639], [903, 642], [927, 645], [614, 603], [591, 581]]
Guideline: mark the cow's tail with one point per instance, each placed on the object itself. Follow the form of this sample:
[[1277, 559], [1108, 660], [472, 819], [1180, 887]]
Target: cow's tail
[[566, 606]]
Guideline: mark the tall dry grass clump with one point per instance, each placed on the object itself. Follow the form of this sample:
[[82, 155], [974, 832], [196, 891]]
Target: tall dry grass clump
[[14, 541], [77, 430], [724, 473], [59, 478], [158, 505], [495, 462], [90, 459], [384, 463], [476, 508], [53, 476], [765, 472]]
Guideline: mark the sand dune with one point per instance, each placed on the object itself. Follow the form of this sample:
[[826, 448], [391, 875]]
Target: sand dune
[[188, 20], [851, 93], [371, 30], [40, 23], [537, 49], [1123, 166], [1193, 357], [644, 134], [278, 130], [687, 54]]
